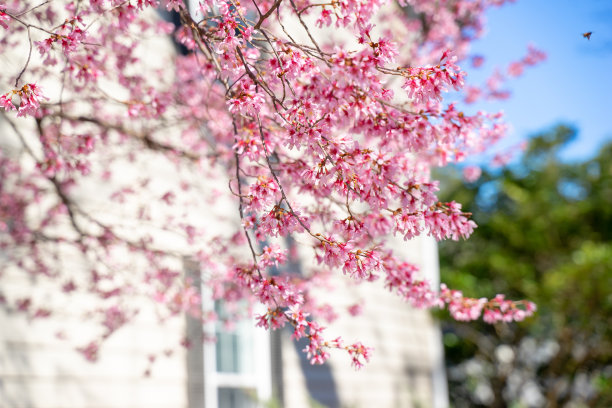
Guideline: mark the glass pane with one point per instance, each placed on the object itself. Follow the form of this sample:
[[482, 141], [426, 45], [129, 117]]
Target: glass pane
[[234, 348], [236, 398]]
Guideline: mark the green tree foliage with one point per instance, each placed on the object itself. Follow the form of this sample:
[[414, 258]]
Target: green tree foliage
[[545, 234]]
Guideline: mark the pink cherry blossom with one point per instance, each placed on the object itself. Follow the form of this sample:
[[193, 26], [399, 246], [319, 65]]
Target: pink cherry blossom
[[255, 152], [4, 18], [471, 173]]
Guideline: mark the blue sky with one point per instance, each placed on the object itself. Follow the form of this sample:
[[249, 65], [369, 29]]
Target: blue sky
[[574, 85]]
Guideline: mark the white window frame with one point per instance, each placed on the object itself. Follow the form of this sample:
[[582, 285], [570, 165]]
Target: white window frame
[[259, 380]]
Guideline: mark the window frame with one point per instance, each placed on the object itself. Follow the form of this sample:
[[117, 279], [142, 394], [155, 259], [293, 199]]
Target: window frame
[[258, 380]]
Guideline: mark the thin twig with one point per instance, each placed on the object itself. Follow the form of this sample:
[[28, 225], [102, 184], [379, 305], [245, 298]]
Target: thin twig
[[267, 14]]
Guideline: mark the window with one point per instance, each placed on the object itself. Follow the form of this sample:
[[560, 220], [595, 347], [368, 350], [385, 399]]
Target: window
[[234, 371], [237, 366]]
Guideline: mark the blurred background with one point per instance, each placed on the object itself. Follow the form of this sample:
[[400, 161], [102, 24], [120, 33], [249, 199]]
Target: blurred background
[[572, 86], [545, 219]]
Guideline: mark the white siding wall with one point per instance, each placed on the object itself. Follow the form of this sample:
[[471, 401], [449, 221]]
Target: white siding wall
[[407, 351], [40, 370]]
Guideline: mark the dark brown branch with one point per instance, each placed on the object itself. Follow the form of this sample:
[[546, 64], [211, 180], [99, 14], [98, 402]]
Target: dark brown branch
[[267, 14]]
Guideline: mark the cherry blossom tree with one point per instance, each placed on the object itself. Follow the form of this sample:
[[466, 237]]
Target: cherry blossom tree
[[305, 122]]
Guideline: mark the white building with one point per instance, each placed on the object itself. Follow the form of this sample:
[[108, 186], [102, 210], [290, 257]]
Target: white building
[[39, 367], [40, 370]]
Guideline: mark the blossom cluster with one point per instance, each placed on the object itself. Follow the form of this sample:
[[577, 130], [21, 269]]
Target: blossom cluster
[[29, 97], [495, 310], [323, 142], [493, 86]]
